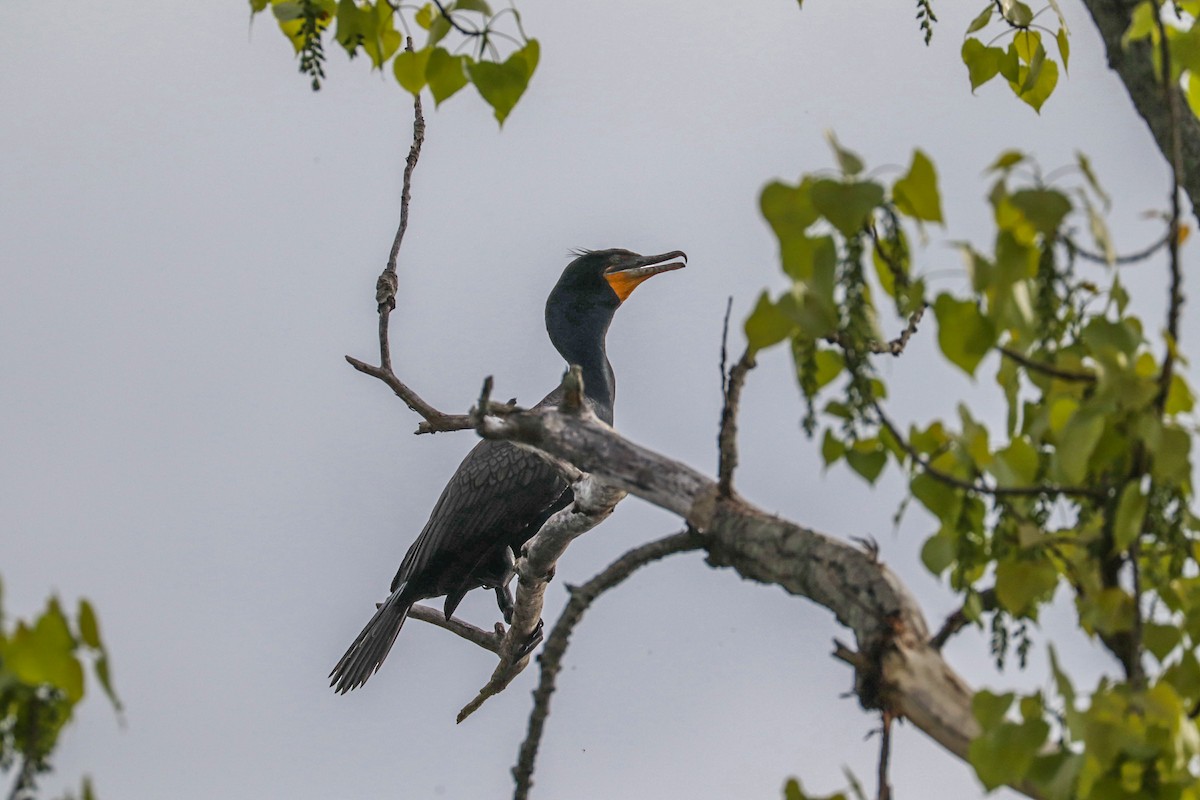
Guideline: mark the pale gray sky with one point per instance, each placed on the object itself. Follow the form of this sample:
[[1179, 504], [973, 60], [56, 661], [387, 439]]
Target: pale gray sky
[[190, 239]]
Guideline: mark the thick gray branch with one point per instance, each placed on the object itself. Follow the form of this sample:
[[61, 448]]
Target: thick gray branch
[[1136, 70], [900, 671], [594, 502]]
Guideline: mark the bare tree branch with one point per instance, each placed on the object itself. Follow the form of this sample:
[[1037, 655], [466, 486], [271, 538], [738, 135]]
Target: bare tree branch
[[900, 670], [892, 347], [1046, 369], [1135, 67], [556, 643], [1130, 258], [488, 640], [884, 791], [727, 438], [592, 503]]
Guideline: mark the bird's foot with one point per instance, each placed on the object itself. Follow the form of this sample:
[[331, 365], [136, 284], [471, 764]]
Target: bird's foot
[[532, 642], [504, 599]]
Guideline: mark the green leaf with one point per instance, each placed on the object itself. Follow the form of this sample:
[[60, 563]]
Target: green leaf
[[767, 325], [848, 161], [805, 256], [89, 630], [502, 85], [424, 16], [1160, 640], [1102, 334], [1005, 754], [1021, 585], [846, 205], [1028, 43], [867, 458], [943, 501], [472, 5], [832, 448], [1017, 13], [916, 194], [788, 210], [1180, 399], [410, 67], [989, 709], [1016, 464], [1040, 85], [1006, 161], [104, 675], [1085, 166], [287, 11], [380, 37], [446, 73], [939, 552], [982, 20], [45, 654], [1131, 512], [1076, 444], [1171, 458], [965, 335], [830, 364], [1045, 208], [1064, 48], [983, 63], [439, 27]]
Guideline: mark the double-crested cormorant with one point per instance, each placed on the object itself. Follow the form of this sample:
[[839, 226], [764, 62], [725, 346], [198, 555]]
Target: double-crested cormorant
[[501, 495]]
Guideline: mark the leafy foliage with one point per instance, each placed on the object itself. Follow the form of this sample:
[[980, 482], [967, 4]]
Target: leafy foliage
[[370, 28], [1031, 72], [1088, 481], [41, 681]]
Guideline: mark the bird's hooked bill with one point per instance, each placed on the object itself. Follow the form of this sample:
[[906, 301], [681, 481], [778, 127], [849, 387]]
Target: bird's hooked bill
[[625, 275]]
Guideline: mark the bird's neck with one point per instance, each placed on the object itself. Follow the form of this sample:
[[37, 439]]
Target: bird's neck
[[586, 348]]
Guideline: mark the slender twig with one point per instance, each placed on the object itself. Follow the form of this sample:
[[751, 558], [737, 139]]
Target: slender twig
[[1131, 258], [488, 640], [386, 288], [724, 340], [1047, 369], [1175, 298], [884, 791], [974, 485], [892, 347], [556, 643], [957, 620], [388, 283], [727, 438], [474, 32]]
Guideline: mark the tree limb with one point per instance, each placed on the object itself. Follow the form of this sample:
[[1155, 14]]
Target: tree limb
[[1135, 67], [902, 672], [556, 643]]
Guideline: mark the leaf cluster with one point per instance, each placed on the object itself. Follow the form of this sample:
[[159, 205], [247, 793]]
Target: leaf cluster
[[41, 681], [441, 65], [1025, 63], [1088, 481]]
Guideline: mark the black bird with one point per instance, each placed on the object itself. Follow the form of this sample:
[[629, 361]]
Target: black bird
[[501, 495]]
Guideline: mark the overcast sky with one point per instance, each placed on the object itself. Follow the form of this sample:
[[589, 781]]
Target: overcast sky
[[188, 247]]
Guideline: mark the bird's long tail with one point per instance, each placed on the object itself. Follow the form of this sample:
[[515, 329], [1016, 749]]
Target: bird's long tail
[[371, 647]]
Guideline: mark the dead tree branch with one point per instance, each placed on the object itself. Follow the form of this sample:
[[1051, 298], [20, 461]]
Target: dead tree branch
[[593, 502], [488, 640], [551, 658], [908, 676], [727, 438]]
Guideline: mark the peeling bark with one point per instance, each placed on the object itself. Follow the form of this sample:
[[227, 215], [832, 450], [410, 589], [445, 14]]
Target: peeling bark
[[897, 668]]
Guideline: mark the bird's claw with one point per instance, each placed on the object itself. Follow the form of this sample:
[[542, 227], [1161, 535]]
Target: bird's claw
[[532, 642]]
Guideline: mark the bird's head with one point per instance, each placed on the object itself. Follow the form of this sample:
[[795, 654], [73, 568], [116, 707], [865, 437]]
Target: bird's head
[[606, 277]]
